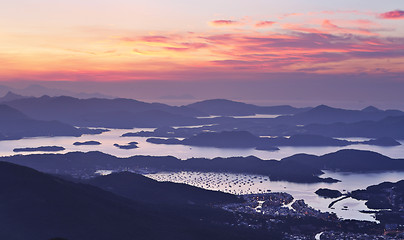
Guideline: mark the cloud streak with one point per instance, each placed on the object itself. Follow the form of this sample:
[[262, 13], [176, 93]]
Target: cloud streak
[[225, 23], [263, 24], [326, 44], [396, 14]]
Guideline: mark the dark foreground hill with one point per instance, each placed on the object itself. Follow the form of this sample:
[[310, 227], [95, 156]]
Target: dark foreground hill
[[39, 206], [144, 189]]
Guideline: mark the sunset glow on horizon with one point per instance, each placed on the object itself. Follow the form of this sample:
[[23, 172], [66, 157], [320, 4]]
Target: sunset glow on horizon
[[74, 41]]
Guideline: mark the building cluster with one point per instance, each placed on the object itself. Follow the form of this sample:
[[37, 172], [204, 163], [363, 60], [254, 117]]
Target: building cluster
[[276, 205], [332, 235]]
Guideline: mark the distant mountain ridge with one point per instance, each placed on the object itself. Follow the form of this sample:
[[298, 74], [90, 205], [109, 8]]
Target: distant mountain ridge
[[15, 125], [37, 90], [119, 112], [323, 114], [11, 96], [223, 107]]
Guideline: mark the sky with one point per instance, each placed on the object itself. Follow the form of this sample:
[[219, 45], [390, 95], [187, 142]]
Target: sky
[[262, 42]]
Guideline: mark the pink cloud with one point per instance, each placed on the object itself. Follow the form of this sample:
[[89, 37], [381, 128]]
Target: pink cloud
[[151, 38], [177, 49], [327, 24], [291, 15], [321, 46], [262, 24], [155, 38], [396, 14], [221, 23]]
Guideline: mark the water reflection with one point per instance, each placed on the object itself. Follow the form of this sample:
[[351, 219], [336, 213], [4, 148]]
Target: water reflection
[[233, 183], [108, 139], [248, 183]]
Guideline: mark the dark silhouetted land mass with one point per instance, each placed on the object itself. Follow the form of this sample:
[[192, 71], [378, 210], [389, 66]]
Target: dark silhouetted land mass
[[167, 132], [303, 168], [387, 198], [96, 112], [328, 193], [143, 189], [40, 149], [301, 140], [392, 127], [16, 125], [40, 206], [244, 139], [87, 143], [350, 160], [385, 195], [383, 141], [308, 140], [131, 145], [225, 139], [223, 107], [128, 113], [325, 115]]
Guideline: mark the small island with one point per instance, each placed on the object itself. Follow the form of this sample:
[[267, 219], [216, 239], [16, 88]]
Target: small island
[[86, 143], [383, 141], [328, 193], [131, 145], [224, 139], [40, 149]]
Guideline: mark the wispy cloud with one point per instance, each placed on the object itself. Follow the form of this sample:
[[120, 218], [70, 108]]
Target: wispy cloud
[[396, 14], [327, 24], [263, 24], [324, 44], [225, 23]]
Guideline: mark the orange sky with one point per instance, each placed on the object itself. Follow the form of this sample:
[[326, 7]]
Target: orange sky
[[81, 44]]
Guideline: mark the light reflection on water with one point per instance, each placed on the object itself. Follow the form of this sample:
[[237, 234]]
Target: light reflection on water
[[300, 191], [248, 183], [108, 139], [248, 116]]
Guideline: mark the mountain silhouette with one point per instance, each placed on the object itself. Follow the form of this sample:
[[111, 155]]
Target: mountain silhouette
[[39, 206]]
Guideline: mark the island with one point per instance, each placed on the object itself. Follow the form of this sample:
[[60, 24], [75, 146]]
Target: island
[[40, 149], [224, 139], [328, 193], [245, 139], [302, 168], [383, 141], [387, 200], [87, 143], [131, 145]]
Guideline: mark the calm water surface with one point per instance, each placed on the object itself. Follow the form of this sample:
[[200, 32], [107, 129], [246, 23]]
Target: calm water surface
[[108, 139], [247, 183], [234, 183]]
